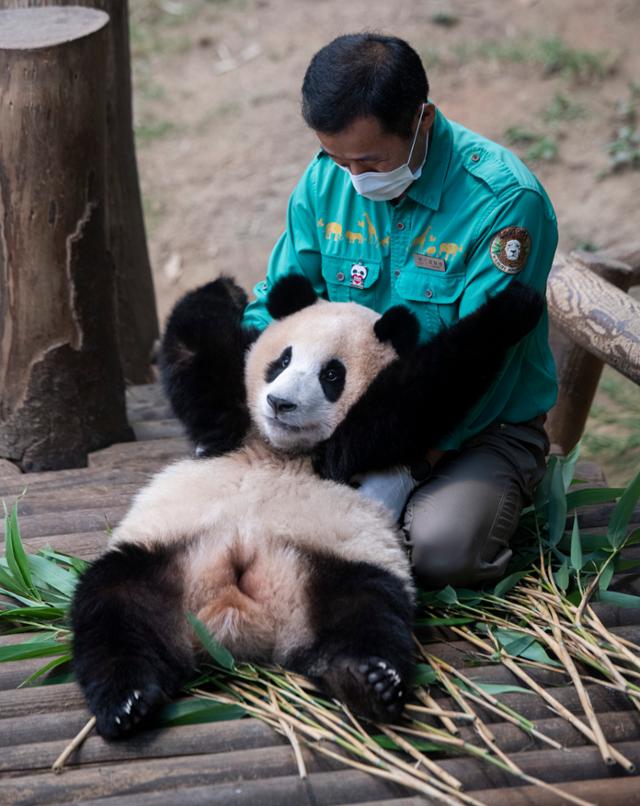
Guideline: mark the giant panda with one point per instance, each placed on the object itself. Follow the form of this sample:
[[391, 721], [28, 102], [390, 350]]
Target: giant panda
[[262, 541]]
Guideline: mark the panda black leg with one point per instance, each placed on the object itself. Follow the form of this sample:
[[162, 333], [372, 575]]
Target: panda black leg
[[131, 648], [362, 618]]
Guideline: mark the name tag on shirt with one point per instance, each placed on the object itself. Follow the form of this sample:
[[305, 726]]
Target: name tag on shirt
[[426, 262]]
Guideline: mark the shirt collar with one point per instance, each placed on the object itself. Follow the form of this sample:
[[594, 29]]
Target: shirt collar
[[427, 189]]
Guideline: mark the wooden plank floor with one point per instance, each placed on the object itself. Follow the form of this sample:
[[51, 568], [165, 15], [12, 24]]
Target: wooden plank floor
[[244, 762]]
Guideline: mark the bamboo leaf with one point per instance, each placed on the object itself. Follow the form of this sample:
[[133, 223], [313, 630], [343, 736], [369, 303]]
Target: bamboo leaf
[[447, 595], [36, 648], [45, 613], [619, 599], [423, 675], [506, 584], [561, 576], [443, 622], [557, 506], [220, 655], [496, 688], [593, 495], [568, 466], [194, 711], [387, 743], [44, 670], [576, 546], [621, 516], [15, 554], [606, 576], [52, 575]]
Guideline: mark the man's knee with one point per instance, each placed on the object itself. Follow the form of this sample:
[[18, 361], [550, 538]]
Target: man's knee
[[463, 547]]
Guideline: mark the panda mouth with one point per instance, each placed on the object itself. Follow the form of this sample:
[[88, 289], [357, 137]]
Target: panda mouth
[[274, 421]]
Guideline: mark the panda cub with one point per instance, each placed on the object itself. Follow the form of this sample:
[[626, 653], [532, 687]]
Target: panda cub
[[280, 564]]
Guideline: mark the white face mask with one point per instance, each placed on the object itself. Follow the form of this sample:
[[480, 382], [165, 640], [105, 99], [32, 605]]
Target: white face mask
[[387, 185]]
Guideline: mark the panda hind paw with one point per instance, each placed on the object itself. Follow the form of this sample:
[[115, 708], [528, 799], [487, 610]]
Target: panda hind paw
[[386, 689], [122, 718]]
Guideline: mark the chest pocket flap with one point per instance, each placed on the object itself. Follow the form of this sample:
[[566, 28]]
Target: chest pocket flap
[[343, 273], [424, 285]]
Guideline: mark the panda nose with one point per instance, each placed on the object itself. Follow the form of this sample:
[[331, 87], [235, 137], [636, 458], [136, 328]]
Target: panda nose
[[279, 405]]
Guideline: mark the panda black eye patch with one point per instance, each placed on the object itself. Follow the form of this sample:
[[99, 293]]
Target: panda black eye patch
[[279, 365], [332, 378]]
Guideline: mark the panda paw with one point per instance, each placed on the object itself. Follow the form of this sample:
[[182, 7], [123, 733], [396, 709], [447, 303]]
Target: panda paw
[[123, 714], [385, 687]]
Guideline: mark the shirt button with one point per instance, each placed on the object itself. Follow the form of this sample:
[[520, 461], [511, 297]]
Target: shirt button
[[400, 225], [428, 293], [475, 157], [340, 276], [264, 286], [396, 273]]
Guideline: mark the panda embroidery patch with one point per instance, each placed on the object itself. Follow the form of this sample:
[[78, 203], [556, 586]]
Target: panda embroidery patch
[[510, 249], [358, 275]]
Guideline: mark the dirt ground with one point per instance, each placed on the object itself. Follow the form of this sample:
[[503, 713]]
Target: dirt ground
[[221, 142]]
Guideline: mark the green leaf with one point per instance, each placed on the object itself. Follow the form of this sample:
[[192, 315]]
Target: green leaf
[[423, 675], [44, 670], [43, 613], [561, 576], [557, 506], [593, 495], [194, 711], [513, 642], [447, 595], [621, 516], [36, 648], [606, 576], [16, 556], [496, 688], [568, 466], [52, 575], [220, 655], [576, 546], [506, 584], [619, 599], [443, 622], [387, 743]]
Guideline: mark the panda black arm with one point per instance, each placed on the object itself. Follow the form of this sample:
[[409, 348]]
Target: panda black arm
[[202, 365], [421, 397]]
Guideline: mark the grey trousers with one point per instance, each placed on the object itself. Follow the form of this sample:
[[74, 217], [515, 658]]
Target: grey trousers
[[458, 522]]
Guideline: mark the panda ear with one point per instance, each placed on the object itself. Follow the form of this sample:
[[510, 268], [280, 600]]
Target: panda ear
[[399, 327], [290, 294]]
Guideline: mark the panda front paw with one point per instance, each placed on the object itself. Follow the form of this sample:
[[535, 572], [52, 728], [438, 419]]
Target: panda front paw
[[370, 686]]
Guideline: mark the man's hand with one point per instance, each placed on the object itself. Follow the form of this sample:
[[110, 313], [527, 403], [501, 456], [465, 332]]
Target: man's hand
[[391, 488]]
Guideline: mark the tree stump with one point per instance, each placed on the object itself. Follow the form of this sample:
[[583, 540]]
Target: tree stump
[[61, 383], [137, 318]]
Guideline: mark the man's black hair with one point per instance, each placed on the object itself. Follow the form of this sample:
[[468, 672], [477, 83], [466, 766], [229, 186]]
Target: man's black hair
[[361, 75]]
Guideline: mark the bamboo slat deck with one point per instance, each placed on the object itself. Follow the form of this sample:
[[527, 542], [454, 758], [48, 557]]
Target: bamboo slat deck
[[244, 762]]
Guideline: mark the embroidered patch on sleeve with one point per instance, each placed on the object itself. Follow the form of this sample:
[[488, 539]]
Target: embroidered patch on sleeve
[[510, 249]]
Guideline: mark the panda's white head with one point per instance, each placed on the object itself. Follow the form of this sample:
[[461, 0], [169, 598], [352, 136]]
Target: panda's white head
[[309, 367]]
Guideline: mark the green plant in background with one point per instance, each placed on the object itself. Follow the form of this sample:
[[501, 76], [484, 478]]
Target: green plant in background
[[536, 146], [624, 150], [539, 617], [561, 109]]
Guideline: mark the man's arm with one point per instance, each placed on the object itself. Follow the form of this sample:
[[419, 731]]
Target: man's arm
[[296, 252], [420, 399]]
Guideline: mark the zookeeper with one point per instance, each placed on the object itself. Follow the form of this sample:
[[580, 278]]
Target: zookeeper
[[403, 206]]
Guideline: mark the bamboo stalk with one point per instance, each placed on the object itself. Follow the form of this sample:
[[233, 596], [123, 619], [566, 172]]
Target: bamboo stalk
[[291, 736], [59, 763]]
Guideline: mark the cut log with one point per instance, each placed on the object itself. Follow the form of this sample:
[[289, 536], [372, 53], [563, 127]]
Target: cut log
[[137, 319], [61, 385]]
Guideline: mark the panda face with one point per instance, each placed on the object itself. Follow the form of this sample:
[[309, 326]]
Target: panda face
[[306, 371]]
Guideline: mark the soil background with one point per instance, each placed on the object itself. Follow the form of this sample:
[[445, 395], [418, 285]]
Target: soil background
[[221, 142]]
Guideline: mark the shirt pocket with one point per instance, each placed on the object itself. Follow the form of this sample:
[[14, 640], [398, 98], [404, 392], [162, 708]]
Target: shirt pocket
[[351, 280], [433, 297]]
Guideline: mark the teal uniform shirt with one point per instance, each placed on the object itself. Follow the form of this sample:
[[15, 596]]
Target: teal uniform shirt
[[474, 220]]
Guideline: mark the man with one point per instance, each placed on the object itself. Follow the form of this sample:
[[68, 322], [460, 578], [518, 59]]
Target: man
[[402, 206]]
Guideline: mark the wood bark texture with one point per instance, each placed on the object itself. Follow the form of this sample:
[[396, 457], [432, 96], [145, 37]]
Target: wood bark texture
[[579, 370], [61, 383], [137, 319]]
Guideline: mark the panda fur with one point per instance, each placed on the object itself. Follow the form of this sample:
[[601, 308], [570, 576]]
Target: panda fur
[[280, 565]]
